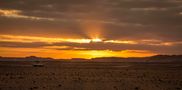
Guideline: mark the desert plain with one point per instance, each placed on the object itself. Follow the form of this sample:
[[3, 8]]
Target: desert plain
[[57, 75]]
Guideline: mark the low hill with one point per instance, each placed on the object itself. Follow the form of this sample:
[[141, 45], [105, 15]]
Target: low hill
[[157, 58]]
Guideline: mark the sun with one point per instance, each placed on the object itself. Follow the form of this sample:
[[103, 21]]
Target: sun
[[96, 40]]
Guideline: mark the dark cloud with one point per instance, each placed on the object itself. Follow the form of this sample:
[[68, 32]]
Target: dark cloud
[[22, 45]]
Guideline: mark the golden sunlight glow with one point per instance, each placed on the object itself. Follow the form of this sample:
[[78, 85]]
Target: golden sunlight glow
[[56, 47], [96, 40], [136, 53], [68, 54], [91, 28], [121, 42], [99, 53], [11, 13], [30, 39]]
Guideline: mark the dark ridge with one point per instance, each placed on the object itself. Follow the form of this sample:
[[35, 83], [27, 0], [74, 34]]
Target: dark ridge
[[30, 58], [157, 58]]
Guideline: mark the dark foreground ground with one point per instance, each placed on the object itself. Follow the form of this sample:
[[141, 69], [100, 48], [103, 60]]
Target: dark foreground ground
[[90, 76]]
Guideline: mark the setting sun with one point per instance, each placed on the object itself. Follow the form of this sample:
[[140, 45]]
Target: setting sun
[[96, 40]]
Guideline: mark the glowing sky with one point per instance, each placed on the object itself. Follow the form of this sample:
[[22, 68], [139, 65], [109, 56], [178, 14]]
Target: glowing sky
[[90, 28]]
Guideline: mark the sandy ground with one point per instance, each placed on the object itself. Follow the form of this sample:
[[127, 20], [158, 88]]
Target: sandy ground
[[90, 76]]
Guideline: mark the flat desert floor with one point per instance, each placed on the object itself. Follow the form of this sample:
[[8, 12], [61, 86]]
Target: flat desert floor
[[55, 75]]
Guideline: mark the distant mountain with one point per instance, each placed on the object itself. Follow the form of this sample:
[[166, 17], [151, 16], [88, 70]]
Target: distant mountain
[[157, 58], [30, 58], [118, 59], [165, 58]]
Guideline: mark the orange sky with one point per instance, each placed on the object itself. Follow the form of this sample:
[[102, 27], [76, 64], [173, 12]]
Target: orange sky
[[68, 54], [65, 52]]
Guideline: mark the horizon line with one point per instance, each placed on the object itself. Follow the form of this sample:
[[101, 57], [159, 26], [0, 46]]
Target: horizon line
[[91, 58]]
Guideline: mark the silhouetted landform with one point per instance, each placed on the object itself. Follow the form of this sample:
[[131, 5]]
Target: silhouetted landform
[[157, 58], [30, 58]]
